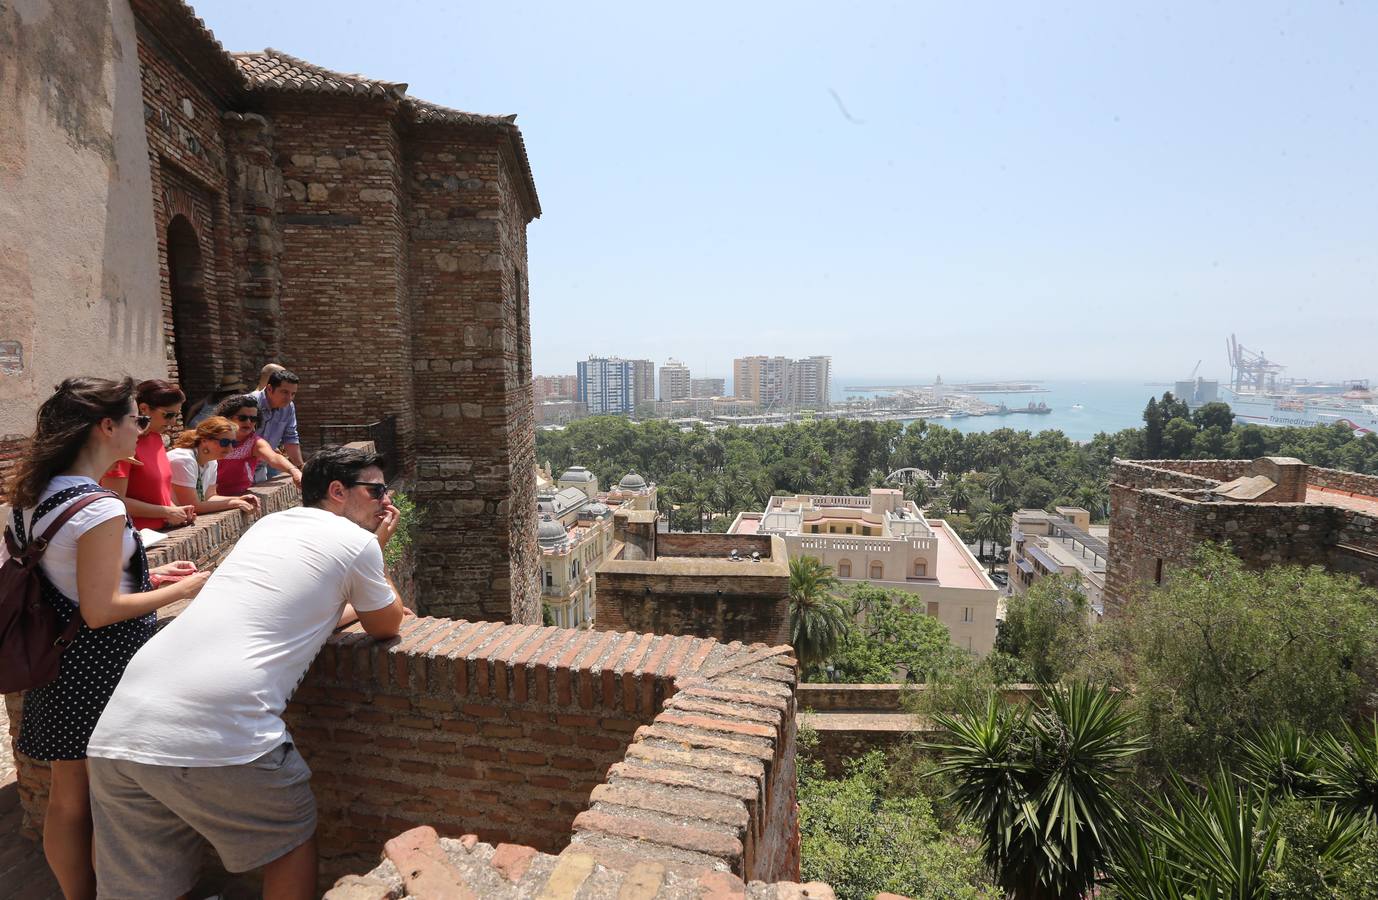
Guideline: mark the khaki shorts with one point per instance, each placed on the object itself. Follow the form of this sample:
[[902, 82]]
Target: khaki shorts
[[149, 820]]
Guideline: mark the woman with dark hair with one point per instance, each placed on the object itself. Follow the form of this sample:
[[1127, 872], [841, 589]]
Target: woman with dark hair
[[145, 482], [235, 473], [94, 567]]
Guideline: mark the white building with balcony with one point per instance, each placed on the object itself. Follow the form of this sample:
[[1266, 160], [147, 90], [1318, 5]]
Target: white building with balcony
[[886, 540]]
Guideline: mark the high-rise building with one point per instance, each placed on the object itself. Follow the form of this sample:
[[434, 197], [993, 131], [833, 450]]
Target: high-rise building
[[643, 381], [707, 387], [809, 381], [763, 379], [606, 385], [674, 381], [554, 387]]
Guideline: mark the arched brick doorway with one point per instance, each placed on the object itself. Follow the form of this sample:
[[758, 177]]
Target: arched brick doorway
[[191, 324]]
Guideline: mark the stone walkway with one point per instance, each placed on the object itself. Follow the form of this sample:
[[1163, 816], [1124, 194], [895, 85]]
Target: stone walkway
[[419, 864], [23, 870]]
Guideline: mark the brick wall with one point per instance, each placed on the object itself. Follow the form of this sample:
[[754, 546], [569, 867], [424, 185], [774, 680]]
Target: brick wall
[[638, 744], [187, 160], [1144, 475], [1216, 469], [475, 425]]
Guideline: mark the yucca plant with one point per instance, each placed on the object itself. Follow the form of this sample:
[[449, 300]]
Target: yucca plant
[[1282, 760], [1349, 766], [1227, 842], [1040, 781]]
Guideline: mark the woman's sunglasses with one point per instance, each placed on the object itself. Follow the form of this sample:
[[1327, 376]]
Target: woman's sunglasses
[[228, 442], [142, 421], [244, 418]]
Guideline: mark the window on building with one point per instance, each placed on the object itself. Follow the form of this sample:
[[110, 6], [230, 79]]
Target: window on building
[[877, 571], [549, 578], [848, 529], [844, 568], [920, 569], [933, 607], [966, 614]]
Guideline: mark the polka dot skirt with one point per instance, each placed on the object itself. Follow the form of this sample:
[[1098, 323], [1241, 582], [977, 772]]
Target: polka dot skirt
[[60, 716]]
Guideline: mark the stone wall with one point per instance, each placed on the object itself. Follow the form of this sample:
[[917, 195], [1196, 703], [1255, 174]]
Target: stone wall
[[698, 590], [1348, 482], [1214, 469], [1158, 517]]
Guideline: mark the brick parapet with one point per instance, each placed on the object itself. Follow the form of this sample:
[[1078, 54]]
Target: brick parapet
[[1345, 482]]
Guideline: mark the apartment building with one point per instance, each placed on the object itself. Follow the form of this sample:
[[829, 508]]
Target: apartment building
[[643, 382], [761, 379], [887, 541], [780, 381], [703, 388], [675, 382], [1063, 542], [809, 382], [554, 387], [607, 385]]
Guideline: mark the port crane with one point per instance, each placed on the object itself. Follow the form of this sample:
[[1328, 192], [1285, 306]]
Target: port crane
[[1250, 370]]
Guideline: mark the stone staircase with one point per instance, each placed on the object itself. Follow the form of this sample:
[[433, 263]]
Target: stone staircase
[[420, 864]]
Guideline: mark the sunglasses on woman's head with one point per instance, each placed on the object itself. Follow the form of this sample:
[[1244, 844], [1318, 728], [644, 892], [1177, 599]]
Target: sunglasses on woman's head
[[244, 418]]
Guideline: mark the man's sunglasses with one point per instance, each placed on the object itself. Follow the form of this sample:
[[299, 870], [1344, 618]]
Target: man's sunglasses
[[254, 419], [228, 442], [376, 489]]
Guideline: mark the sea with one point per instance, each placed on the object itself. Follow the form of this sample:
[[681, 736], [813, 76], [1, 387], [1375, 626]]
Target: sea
[[1080, 409]]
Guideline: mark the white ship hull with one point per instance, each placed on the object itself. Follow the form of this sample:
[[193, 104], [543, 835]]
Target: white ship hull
[[1303, 412]]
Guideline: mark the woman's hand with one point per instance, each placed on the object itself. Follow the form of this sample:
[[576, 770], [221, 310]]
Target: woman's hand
[[296, 476], [179, 515], [242, 504], [190, 586], [173, 571], [252, 501]]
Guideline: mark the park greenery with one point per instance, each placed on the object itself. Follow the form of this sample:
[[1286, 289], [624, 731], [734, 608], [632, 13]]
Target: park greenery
[[975, 481]]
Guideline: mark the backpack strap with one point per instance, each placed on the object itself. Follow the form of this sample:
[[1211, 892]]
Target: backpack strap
[[40, 544]]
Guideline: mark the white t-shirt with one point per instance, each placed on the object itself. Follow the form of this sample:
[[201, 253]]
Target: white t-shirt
[[183, 464], [59, 561], [210, 688]]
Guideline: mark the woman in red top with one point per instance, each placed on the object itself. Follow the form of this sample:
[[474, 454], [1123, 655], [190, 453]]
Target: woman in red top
[[235, 471], [146, 485]]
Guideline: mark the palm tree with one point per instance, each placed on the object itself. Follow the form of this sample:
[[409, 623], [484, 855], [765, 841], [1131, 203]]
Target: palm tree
[[981, 515], [919, 492], [1001, 482], [1039, 781], [957, 491], [1093, 499], [818, 618], [990, 524]]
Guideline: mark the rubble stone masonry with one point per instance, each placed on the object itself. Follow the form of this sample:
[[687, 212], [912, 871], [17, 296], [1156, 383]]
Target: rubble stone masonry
[[1161, 511]]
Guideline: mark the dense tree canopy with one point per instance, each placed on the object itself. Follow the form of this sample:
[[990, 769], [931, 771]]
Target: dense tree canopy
[[706, 477]]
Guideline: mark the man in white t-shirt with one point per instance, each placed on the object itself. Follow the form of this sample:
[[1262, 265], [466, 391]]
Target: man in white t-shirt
[[192, 743]]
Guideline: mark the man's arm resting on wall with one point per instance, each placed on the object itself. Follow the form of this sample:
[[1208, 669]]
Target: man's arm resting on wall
[[382, 624]]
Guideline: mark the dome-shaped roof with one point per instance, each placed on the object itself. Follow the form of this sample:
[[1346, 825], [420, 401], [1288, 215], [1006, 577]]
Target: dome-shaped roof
[[551, 533], [632, 482], [576, 473], [596, 510]]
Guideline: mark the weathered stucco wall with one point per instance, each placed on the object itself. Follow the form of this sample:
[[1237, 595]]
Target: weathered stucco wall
[[78, 263]]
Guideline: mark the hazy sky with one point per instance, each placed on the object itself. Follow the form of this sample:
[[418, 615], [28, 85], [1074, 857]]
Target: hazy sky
[[996, 190]]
